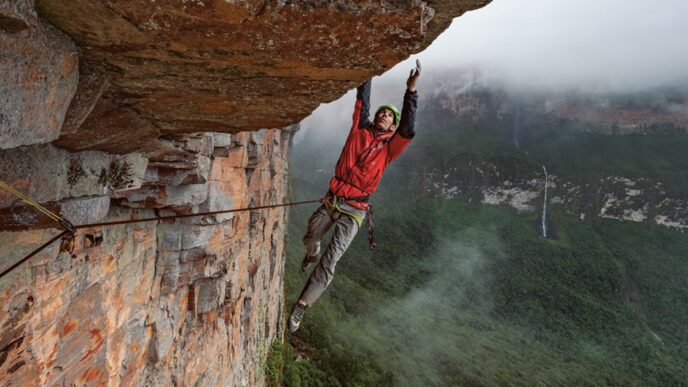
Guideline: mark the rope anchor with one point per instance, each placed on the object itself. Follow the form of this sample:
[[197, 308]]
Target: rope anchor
[[67, 244]]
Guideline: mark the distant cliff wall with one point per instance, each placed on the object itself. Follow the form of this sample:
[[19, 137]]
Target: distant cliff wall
[[613, 197]]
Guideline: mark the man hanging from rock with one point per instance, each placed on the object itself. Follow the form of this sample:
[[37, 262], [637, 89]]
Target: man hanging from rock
[[368, 150]]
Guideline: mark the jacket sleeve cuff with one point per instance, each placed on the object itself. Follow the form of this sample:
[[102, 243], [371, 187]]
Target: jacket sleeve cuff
[[413, 93]]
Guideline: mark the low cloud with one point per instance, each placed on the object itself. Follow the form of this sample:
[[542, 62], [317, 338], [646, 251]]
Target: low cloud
[[551, 46], [587, 45], [432, 326]]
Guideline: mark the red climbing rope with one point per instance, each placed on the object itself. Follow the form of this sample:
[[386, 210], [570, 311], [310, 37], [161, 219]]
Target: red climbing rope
[[68, 234]]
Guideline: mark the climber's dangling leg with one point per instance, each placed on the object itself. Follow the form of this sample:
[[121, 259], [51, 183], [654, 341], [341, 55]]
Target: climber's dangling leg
[[318, 224], [345, 230]]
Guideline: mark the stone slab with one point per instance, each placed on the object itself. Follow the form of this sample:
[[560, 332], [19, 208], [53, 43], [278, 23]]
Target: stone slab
[[39, 78]]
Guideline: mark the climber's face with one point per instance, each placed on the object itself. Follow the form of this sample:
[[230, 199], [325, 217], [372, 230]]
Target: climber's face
[[384, 120]]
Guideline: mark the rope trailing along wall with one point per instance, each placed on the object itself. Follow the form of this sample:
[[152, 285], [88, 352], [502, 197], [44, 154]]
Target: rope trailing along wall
[[70, 230], [37, 206]]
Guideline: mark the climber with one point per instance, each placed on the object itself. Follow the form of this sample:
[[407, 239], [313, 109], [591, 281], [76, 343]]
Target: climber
[[368, 150]]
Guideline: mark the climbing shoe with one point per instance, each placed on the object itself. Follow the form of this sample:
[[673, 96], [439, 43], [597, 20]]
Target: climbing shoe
[[296, 315], [307, 261]]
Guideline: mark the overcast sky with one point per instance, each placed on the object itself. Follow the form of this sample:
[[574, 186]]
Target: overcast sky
[[618, 45], [550, 45]]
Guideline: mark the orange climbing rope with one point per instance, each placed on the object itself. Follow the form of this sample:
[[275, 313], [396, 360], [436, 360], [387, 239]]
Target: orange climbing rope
[[70, 230]]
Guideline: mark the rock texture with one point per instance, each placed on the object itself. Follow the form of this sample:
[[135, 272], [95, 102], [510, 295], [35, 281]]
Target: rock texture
[[17, 15], [226, 66], [39, 71], [196, 301]]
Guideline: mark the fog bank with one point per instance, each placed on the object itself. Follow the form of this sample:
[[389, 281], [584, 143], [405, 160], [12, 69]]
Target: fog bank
[[588, 45]]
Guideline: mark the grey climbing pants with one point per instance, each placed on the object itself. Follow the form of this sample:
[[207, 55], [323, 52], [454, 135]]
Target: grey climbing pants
[[345, 229]]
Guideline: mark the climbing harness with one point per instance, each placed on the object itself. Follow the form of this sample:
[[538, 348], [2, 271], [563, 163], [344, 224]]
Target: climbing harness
[[372, 244], [69, 232]]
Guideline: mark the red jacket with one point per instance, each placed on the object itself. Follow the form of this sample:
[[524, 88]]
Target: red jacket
[[365, 157]]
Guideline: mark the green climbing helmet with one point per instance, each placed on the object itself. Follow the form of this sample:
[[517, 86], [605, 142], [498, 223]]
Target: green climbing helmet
[[397, 113]]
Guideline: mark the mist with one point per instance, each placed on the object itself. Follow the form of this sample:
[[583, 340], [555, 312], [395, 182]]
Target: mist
[[436, 323], [591, 46], [550, 46], [500, 308]]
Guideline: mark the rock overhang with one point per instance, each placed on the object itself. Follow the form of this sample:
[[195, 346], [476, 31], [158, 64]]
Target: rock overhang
[[152, 68]]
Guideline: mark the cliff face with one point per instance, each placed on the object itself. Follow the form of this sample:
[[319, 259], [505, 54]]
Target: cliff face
[[600, 150], [115, 110], [196, 300], [613, 197]]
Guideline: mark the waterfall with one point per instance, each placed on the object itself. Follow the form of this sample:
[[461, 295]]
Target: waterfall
[[544, 207], [516, 119]]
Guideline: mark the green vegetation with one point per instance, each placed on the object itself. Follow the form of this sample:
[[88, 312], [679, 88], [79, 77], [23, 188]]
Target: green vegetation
[[282, 368], [588, 157], [485, 301], [469, 295], [578, 157], [117, 176]]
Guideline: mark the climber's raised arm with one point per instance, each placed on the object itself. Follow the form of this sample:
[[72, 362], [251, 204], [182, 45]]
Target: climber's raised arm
[[361, 118], [406, 129], [408, 111]]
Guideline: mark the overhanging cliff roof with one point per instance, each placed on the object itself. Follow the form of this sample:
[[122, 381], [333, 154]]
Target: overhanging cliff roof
[[151, 68]]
